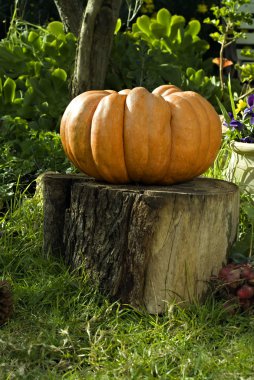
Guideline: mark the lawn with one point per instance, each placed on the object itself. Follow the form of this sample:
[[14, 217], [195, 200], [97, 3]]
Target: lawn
[[63, 328]]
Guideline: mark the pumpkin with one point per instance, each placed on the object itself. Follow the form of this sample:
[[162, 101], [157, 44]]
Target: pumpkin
[[164, 137]]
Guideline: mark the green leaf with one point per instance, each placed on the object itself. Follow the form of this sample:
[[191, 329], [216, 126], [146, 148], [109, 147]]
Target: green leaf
[[164, 17], [199, 76], [143, 23], [60, 74], [35, 40], [177, 22], [118, 26], [223, 111], [207, 20], [158, 30], [216, 36], [249, 210], [9, 88], [56, 28], [190, 71], [32, 36], [193, 28], [231, 98]]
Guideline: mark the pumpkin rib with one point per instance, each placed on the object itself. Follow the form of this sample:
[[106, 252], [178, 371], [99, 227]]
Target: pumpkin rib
[[64, 132], [183, 155], [107, 139], [215, 132], [147, 139], [126, 91], [204, 127], [166, 89], [79, 130]]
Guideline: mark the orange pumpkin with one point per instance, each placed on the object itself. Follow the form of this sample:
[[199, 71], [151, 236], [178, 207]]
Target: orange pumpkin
[[163, 137]]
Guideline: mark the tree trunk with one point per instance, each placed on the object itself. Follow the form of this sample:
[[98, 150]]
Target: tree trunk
[[143, 245], [70, 12], [94, 26], [96, 37]]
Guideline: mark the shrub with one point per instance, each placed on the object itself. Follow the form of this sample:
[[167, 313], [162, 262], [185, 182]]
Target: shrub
[[35, 65], [162, 50]]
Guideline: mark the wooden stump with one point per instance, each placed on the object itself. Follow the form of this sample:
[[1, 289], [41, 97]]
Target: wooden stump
[[143, 245]]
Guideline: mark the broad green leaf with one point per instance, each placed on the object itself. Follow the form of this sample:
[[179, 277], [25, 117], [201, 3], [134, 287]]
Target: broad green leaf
[[50, 49], [118, 26], [199, 77], [32, 36], [143, 23], [56, 28], [164, 17], [18, 101], [223, 111], [216, 36], [158, 30], [177, 22], [201, 45], [190, 71], [249, 210], [37, 68], [135, 28], [193, 28], [35, 40], [60, 74], [9, 88]]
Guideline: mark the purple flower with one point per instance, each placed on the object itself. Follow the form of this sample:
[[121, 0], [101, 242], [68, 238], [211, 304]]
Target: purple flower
[[247, 139], [249, 111], [250, 100], [236, 125]]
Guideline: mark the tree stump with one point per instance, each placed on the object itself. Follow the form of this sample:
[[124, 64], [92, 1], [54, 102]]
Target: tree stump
[[144, 245]]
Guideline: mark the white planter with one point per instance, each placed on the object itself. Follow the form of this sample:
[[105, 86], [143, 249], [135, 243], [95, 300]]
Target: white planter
[[241, 165]]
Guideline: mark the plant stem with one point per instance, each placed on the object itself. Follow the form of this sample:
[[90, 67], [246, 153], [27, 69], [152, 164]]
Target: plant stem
[[221, 66], [251, 90], [251, 239]]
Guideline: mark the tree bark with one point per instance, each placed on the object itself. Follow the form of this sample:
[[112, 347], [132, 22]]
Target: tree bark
[[95, 42], [70, 12], [94, 26], [56, 191], [144, 245]]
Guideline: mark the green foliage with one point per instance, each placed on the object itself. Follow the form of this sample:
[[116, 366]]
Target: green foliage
[[198, 81], [35, 66], [227, 18], [158, 51], [246, 72], [135, 64], [170, 35], [25, 152], [243, 249]]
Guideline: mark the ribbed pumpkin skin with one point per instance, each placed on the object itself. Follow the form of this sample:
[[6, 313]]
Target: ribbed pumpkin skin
[[163, 137]]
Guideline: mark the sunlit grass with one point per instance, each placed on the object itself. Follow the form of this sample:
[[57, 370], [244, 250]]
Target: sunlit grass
[[63, 328]]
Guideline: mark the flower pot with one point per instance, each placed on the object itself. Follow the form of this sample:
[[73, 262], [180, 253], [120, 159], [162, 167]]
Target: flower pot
[[241, 165]]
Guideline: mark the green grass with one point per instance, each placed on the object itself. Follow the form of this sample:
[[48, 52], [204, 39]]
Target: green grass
[[63, 328]]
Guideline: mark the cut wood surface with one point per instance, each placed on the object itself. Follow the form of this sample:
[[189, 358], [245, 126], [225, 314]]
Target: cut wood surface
[[143, 245]]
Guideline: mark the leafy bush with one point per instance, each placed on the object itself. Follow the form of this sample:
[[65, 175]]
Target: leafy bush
[[161, 50], [35, 64], [169, 34], [136, 64]]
